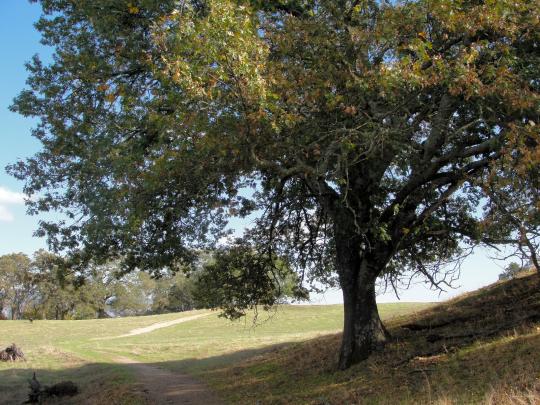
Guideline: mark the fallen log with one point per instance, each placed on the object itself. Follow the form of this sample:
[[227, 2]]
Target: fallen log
[[37, 394], [61, 389]]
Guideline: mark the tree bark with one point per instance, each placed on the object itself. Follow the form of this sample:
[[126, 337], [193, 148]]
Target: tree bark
[[363, 331]]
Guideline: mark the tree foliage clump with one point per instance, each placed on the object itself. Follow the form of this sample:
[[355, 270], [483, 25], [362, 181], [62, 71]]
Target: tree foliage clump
[[372, 132], [237, 278]]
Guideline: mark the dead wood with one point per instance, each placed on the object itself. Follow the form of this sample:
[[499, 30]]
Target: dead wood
[[34, 394], [62, 389], [421, 370], [12, 353], [37, 393]]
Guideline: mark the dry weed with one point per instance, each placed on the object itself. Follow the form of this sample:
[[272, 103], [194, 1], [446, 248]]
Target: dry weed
[[514, 396]]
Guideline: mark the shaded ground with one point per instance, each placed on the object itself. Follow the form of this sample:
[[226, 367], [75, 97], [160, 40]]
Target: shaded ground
[[161, 386]]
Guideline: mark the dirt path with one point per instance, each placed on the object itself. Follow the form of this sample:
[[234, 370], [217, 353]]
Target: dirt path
[[155, 326], [160, 325], [161, 386], [165, 387]]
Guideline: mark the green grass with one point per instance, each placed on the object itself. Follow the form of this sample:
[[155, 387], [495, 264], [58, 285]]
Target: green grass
[[480, 348], [60, 350], [84, 351], [210, 341]]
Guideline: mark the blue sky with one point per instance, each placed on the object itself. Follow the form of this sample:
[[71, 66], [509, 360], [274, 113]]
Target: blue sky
[[19, 42]]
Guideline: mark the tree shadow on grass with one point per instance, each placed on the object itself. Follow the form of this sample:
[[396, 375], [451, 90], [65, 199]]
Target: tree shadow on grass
[[279, 376], [196, 365], [109, 382], [500, 368], [93, 380]]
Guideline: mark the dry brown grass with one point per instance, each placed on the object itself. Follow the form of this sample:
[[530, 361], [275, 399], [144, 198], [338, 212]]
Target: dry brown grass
[[504, 395], [481, 348], [121, 394], [514, 396]]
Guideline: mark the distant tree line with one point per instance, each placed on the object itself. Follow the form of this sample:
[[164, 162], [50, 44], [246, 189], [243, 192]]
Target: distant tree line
[[41, 287], [45, 286]]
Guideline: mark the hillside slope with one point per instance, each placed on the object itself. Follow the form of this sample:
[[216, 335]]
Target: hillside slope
[[482, 347]]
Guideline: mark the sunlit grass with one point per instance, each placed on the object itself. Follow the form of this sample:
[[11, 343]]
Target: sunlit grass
[[85, 350]]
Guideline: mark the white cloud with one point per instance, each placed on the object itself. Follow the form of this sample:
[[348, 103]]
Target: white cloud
[[5, 215], [8, 197]]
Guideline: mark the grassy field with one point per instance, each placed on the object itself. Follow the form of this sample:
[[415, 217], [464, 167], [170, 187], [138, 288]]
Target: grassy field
[[480, 348], [85, 351]]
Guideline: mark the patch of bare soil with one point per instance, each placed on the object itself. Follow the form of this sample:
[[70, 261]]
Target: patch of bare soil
[[165, 387]]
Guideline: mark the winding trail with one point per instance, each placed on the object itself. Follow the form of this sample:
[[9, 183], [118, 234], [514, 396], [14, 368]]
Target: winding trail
[[162, 386], [154, 326], [159, 325]]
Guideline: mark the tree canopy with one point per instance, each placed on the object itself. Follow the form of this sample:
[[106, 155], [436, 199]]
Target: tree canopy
[[371, 132]]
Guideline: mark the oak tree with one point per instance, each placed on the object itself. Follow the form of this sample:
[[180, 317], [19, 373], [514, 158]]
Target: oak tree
[[368, 130]]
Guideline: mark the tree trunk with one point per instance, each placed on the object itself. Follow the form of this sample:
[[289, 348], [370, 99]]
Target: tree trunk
[[363, 331], [102, 314]]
